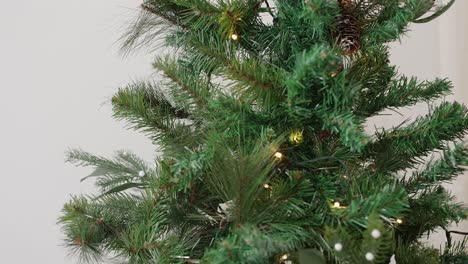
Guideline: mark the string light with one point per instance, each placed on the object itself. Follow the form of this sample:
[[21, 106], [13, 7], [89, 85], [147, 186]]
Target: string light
[[336, 204], [266, 186], [376, 233], [278, 155], [370, 256], [284, 257], [234, 36], [399, 221], [338, 247]]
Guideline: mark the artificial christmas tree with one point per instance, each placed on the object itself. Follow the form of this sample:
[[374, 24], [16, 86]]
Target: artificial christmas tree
[[260, 121]]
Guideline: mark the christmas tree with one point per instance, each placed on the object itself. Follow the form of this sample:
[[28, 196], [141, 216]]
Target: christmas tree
[[260, 119]]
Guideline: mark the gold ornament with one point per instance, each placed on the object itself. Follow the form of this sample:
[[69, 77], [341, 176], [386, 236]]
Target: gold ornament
[[296, 137]]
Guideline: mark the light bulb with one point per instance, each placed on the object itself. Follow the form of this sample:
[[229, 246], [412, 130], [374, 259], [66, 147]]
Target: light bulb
[[284, 257], [338, 247], [375, 233], [336, 204], [399, 221], [234, 36], [370, 256], [278, 155]]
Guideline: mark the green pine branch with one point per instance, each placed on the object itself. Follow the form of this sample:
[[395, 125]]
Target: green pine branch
[[432, 208], [239, 175], [444, 170], [403, 92], [124, 172], [389, 201], [145, 108], [392, 21], [256, 81], [254, 245], [376, 239], [189, 86], [402, 148]]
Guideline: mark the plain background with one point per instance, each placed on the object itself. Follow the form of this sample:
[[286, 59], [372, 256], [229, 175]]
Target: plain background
[[59, 65]]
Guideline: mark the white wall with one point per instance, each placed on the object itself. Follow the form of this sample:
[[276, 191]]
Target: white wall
[[58, 67]]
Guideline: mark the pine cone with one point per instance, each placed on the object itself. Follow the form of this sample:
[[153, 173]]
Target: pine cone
[[348, 29]]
